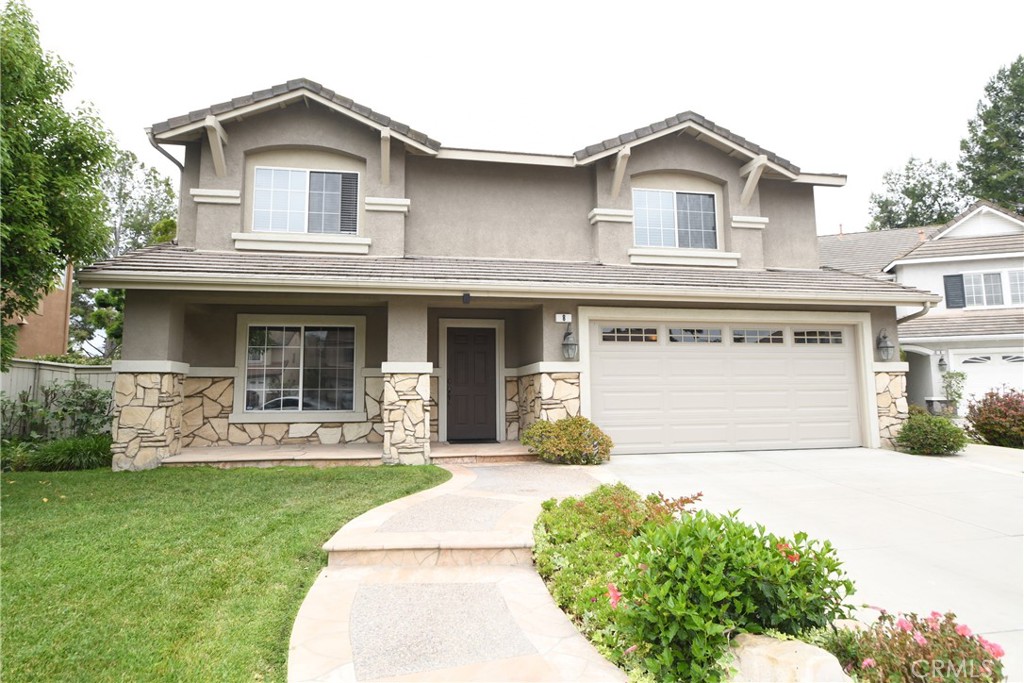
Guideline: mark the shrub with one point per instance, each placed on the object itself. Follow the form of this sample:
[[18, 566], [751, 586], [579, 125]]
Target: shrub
[[16, 456], [910, 648], [686, 586], [570, 441], [998, 418], [578, 543], [72, 453], [953, 388], [930, 435], [64, 409]]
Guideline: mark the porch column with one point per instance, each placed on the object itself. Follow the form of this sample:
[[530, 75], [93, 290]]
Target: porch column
[[405, 405], [891, 394]]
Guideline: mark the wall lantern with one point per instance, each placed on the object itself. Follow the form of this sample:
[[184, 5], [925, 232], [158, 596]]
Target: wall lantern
[[943, 365], [569, 344], [885, 347]]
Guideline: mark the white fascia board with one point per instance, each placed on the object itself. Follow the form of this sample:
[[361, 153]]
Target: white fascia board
[[824, 179], [150, 366], [892, 366], [490, 289], [285, 98], [953, 259], [406, 368], [966, 337], [526, 158], [980, 209]]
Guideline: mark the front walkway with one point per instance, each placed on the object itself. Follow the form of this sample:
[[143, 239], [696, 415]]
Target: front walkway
[[439, 586]]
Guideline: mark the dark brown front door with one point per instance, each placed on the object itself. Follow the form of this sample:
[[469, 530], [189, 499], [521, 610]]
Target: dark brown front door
[[472, 385]]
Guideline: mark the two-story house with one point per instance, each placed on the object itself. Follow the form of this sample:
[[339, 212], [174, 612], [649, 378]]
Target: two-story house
[[339, 277]]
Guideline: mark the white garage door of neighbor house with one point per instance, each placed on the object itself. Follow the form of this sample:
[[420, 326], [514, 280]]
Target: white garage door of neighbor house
[[678, 387], [987, 370]]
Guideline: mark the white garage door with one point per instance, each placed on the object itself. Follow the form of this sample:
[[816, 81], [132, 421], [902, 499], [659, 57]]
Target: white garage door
[[987, 370], [677, 387]]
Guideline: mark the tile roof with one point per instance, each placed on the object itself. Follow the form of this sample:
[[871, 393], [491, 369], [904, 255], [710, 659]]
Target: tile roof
[[867, 253], [987, 204], [292, 86], [965, 323], [181, 266], [965, 246], [684, 117]]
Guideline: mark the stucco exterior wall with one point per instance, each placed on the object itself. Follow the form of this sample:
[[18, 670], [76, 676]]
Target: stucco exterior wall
[[790, 238], [45, 331], [928, 276], [154, 326]]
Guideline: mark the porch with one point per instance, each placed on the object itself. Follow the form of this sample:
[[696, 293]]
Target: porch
[[353, 454]]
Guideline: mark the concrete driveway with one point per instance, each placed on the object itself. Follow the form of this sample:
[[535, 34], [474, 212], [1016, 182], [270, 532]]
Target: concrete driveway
[[916, 533]]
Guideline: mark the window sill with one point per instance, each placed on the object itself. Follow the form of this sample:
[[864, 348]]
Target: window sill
[[281, 241], [293, 416], [668, 256]]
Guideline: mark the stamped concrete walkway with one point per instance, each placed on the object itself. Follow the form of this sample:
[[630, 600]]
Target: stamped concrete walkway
[[439, 586]]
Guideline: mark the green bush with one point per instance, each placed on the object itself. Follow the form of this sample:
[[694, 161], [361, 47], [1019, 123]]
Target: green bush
[[998, 418], [911, 648], [686, 586], [570, 441], [64, 409], [16, 456], [930, 435], [578, 543], [72, 453]]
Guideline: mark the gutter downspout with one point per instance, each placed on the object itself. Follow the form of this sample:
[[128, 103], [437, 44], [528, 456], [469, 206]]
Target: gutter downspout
[[914, 316], [157, 147]]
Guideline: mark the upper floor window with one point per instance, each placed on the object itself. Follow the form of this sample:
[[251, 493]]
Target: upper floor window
[[662, 218], [970, 290], [300, 200]]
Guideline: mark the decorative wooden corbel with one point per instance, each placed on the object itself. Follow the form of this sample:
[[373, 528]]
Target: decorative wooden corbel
[[621, 160], [752, 170], [218, 138], [385, 156]]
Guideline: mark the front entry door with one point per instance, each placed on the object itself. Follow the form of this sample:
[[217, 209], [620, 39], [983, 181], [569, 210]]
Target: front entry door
[[472, 384]]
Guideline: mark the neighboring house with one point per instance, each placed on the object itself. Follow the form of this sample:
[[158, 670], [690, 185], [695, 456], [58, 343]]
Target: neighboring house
[[340, 277], [977, 262], [44, 332]]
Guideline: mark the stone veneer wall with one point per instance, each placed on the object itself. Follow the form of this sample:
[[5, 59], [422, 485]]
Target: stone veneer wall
[[406, 413], [891, 392], [546, 396], [147, 419], [208, 401], [512, 409]]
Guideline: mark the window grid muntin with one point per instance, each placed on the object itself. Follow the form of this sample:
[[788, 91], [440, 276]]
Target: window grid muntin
[[629, 334], [983, 289], [666, 218], [757, 336], [694, 335], [283, 350], [306, 216], [817, 336], [1016, 278]]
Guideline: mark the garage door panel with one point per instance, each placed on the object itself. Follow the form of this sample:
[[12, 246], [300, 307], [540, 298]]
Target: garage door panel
[[677, 397]]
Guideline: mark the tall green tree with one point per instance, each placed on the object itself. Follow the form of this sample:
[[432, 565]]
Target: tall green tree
[[992, 154], [51, 161], [922, 193]]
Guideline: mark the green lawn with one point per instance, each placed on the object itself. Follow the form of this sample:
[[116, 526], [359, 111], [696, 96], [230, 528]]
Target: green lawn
[[189, 574]]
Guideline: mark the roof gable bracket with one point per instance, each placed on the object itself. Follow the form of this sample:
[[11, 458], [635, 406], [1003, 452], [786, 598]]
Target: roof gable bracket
[[621, 161], [752, 170], [385, 156], [218, 138]]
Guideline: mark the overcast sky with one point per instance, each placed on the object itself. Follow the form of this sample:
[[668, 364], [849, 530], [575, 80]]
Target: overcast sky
[[853, 88]]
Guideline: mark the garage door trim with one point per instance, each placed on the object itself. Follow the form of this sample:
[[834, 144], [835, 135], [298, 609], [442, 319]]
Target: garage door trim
[[860, 322]]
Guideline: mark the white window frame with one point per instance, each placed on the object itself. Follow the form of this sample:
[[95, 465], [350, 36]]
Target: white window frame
[[675, 219], [1004, 284], [305, 206], [358, 412], [1009, 290]]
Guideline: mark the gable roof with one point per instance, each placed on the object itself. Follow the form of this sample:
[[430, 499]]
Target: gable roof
[[940, 249], [964, 323], [184, 268], [868, 253], [980, 206], [285, 92]]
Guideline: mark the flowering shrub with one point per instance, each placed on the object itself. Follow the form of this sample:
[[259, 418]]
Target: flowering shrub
[[686, 586], [998, 418], [930, 435], [570, 441], [911, 648], [578, 543]]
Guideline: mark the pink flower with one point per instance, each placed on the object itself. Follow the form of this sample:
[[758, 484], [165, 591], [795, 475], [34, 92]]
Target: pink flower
[[905, 625], [631, 649], [933, 623], [920, 639], [794, 558], [868, 663], [614, 595], [964, 630], [936, 615], [994, 649]]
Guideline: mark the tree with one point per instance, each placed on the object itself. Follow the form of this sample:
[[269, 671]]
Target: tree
[[137, 199], [992, 154], [51, 160], [923, 193]]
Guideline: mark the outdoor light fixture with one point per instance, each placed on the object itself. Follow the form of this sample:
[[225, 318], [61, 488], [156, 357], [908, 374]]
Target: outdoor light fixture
[[885, 347], [943, 365], [569, 344]]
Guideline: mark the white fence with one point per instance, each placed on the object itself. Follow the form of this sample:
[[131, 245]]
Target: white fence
[[32, 375]]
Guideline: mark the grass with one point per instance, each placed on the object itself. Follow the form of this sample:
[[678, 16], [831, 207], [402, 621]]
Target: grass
[[172, 574]]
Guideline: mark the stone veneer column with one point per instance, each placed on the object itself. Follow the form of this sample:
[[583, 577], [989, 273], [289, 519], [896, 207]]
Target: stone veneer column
[[405, 409], [146, 426], [891, 393], [548, 396]]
